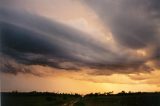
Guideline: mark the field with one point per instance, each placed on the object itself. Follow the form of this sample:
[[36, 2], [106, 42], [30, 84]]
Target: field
[[38, 99], [54, 99], [135, 99]]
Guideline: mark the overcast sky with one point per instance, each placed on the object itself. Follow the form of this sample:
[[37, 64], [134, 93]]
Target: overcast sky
[[80, 46]]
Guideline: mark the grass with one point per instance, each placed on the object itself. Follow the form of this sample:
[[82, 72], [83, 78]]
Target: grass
[[97, 99], [36, 99], [129, 99]]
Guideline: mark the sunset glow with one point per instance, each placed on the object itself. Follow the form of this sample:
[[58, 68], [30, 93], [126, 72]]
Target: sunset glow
[[80, 46]]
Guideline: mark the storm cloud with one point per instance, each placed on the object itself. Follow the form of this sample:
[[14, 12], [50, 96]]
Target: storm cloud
[[134, 24], [30, 39]]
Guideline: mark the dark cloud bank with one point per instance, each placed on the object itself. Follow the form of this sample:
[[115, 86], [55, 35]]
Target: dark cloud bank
[[134, 23], [29, 39]]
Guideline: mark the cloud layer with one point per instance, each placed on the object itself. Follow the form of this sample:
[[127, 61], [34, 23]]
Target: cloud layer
[[29, 39], [134, 24]]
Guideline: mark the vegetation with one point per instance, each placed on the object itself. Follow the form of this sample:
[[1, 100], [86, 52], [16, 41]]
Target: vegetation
[[93, 99], [122, 99], [37, 99]]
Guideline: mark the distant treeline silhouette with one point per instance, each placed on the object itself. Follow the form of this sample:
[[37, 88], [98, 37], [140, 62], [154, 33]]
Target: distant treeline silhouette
[[35, 93], [111, 93], [122, 93]]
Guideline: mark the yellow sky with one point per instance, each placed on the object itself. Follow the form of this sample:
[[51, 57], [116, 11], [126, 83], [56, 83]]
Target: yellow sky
[[80, 82]]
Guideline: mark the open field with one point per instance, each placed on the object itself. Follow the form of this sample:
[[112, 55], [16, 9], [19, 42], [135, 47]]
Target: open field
[[53, 99], [37, 99], [136, 99]]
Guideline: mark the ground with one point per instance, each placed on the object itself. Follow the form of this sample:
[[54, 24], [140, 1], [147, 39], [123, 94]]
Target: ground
[[53, 99]]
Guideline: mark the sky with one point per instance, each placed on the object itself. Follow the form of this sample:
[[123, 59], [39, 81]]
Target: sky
[[80, 46]]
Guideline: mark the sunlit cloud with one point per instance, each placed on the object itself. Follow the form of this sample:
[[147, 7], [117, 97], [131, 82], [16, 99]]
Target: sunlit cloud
[[96, 42]]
